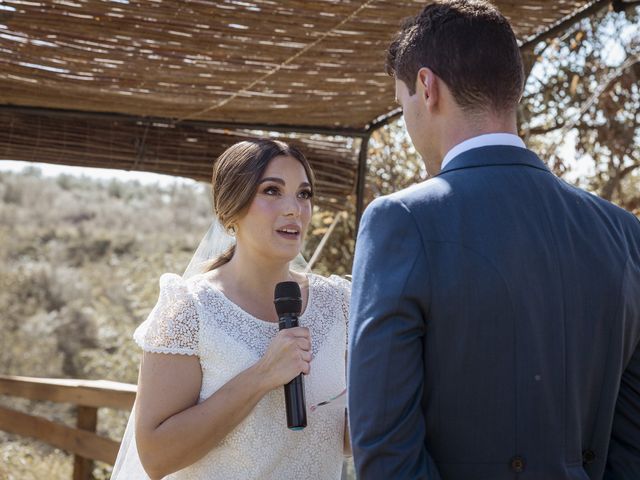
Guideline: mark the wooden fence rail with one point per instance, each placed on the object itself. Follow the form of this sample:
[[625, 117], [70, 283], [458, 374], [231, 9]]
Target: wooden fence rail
[[88, 396]]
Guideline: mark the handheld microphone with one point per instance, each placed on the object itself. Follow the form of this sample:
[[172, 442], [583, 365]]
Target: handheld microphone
[[288, 302]]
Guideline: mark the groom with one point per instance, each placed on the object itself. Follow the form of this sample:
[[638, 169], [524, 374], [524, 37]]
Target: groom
[[495, 316]]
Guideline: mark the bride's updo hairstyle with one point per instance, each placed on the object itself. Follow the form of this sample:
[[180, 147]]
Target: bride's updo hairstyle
[[234, 183]]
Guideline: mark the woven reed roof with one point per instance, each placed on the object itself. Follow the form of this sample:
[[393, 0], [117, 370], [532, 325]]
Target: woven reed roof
[[199, 67], [159, 147]]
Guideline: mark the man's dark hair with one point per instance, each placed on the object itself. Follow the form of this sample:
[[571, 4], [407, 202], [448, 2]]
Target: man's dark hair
[[469, 45]]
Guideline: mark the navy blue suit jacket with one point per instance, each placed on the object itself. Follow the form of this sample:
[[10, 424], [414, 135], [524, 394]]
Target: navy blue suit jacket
[[495, 323]]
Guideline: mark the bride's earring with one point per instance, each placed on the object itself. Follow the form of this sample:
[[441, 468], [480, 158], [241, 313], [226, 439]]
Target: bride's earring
[[231, 230]]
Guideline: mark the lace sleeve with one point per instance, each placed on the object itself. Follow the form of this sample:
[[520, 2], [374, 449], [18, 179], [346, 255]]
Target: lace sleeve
[[172, 326], [344, 288]]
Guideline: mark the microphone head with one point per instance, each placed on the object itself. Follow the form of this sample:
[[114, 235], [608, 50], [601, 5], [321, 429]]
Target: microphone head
[[287, 298]]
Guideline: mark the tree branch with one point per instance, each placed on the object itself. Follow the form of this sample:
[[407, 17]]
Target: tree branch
[[545, 130], [614, 182]]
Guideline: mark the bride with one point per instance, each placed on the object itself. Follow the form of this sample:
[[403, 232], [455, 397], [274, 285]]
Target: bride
[[210, 401]]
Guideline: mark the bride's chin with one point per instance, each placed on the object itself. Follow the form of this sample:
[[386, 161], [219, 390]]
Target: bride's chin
[[290, 257], [284, 254]]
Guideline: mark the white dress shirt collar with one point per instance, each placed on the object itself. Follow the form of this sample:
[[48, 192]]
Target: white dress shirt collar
[[483, 141]]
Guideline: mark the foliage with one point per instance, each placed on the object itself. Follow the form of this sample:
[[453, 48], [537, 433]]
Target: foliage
[[79, 266], [393, 163], [584, 88]]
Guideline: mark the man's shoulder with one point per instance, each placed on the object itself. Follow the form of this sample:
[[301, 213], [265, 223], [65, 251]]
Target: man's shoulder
[[607, 207], [394, 211], [433, 190]]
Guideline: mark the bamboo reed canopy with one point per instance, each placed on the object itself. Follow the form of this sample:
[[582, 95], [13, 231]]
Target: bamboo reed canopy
[[164, 86]]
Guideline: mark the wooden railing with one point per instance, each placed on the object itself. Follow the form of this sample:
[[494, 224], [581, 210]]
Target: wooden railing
[[88, 396]]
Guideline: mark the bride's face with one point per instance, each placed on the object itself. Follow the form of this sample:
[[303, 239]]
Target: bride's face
[[277, 219]]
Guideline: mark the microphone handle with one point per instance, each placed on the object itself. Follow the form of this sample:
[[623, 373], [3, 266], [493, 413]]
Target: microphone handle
[[295, 403], [294, 390]]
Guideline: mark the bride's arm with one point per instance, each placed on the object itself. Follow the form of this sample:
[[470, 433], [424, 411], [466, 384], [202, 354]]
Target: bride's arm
[[173, 431]]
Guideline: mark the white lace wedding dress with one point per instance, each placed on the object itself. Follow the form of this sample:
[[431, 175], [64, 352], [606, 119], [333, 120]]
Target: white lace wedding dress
[[194, 318]]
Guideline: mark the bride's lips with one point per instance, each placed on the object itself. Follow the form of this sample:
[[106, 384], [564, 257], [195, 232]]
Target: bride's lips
[[290, 231]]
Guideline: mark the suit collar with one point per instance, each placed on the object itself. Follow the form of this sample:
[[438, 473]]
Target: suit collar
[[483, 140], [493, 156]]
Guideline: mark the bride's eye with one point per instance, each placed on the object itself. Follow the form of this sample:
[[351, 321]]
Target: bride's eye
[[306, 194], [271, 190]]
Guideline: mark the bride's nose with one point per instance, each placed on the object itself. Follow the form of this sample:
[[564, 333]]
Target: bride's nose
[[292, 207]]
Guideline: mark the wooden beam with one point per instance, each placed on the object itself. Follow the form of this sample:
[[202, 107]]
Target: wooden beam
[[87, 420], [202, 124], [88, 393], [384, 120], [564, 24], [85, 444]]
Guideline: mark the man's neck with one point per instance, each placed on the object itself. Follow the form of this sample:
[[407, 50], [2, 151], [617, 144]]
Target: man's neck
[[461, 129], [463, 126]]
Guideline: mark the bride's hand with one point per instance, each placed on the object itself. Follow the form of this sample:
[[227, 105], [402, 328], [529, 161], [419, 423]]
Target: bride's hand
[[288, 355]]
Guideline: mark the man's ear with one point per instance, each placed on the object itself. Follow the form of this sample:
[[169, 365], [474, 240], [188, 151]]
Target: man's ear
[[427, 86]]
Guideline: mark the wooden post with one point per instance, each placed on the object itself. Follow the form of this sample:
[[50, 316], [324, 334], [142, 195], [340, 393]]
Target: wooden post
[[361, 180], [87, 420]]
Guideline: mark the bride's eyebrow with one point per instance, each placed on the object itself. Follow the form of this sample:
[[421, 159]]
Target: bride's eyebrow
[[282, 182], [273, 179]]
